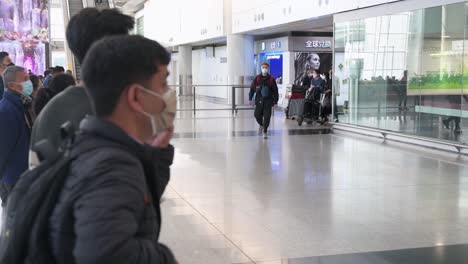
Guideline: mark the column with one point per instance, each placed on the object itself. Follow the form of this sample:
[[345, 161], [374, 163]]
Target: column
[[71, 63], [184, 69], [241, 68]]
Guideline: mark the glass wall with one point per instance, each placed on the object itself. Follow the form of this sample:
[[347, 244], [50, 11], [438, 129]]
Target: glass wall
[[406, 72]]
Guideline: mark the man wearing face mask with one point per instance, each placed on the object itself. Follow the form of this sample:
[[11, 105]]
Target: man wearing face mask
[[5, 61], [15, 124], [108, 211], [265, 90]]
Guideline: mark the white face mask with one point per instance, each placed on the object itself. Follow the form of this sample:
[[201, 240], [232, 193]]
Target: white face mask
[[264, 70], [162, 121]]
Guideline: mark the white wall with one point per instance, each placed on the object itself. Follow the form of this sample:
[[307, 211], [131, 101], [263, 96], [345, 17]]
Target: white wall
[[179, 22], [256, 14], [210, 71]]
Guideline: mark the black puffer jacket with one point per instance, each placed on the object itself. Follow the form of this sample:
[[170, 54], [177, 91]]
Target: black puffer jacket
[[105, 212]]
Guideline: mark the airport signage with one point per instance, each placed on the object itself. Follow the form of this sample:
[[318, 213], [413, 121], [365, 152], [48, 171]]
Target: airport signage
[[318, 44], [311, 44], [271, 45]]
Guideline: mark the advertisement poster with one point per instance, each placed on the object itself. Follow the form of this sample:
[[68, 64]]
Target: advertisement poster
[[305, 60], [24, 32]]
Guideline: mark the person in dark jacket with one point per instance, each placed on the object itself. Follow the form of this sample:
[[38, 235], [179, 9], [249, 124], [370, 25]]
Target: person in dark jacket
[[83, 29], [316, 88], [37, 84], [402, 91], [58, 84], [5, 61], [327, 91], [265, 90], [55, 71], [108, 211], [15, 124], [306, 81]]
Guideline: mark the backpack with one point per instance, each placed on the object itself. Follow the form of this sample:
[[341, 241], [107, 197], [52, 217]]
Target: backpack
[[24, 236], [259, 91]]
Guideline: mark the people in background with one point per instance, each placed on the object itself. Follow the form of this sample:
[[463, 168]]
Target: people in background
[[55, 71], [455, 103], [317, 82], [402, 92], [69, 72], [335, 87], [15, 124], [58, 84], [306, 81], [108, 211], [46, 73], [83, 29], [5, 61], [37, 84], [327, 102], [265, 89]]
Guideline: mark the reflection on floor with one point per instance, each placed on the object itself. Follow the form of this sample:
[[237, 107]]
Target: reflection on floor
[[431, 255], [306, 195], [236, 198], [409, 122]]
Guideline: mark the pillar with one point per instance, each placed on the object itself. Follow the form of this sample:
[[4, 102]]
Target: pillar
[[240, 59], [184, 69]]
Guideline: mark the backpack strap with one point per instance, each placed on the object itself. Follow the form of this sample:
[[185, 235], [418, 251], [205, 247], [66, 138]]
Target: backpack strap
[[271, 81]]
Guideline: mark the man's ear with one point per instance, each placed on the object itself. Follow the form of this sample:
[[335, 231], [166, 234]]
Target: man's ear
[[135, 98], [14, 86]]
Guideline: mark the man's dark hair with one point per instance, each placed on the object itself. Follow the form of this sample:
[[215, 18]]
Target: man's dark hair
[[265, 64], [58, 69], [3, 54], [91, 24], [105, 78], [35, 81]]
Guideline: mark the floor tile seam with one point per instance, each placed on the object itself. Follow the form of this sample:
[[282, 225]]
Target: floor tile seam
[[275, 132], [215, 227]]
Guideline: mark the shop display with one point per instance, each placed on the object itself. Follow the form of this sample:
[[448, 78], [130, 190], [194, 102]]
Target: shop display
[[306, 60], [23, 32]]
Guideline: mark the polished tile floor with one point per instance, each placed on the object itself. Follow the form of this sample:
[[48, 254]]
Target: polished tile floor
[[236, 198], [306, 195]]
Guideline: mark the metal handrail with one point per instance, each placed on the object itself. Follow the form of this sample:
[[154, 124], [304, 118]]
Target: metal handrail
[[234, 108], [385, 133]]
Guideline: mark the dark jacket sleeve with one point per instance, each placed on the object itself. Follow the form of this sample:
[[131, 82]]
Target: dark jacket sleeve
[[7, 139], [253, 88], [274, 89], [107, 215], [306, 82], [162, 158]]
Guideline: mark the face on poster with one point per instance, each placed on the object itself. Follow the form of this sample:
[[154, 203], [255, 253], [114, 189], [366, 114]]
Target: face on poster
[[304, 61], [24, 32]]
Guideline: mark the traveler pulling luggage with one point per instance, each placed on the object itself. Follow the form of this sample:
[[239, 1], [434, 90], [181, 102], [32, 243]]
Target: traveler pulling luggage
[[309, 109], [265, 93]]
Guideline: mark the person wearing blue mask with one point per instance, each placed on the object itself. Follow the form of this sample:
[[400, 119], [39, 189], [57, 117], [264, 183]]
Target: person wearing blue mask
[[15, 127], [5, 62]]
